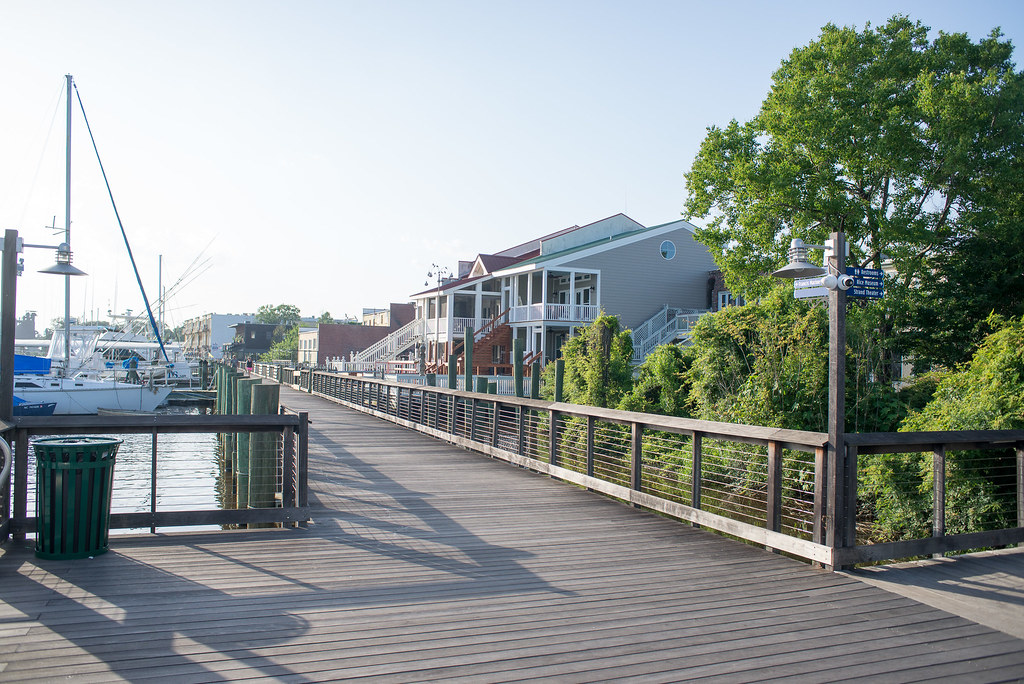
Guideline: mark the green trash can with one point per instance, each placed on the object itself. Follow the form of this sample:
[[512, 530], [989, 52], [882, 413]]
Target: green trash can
[[74, 483]]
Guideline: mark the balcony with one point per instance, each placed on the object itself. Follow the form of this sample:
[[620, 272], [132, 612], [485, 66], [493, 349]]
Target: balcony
[[568, 313]]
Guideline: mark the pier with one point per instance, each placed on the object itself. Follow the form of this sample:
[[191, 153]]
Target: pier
[[424, 561]]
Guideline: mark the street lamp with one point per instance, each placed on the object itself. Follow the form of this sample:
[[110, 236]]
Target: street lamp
[[441, 274], [62, 267], [834, 278]]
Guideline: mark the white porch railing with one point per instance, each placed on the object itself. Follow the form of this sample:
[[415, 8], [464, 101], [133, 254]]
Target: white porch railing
[[666, 326], [574, 313], [392, 345]]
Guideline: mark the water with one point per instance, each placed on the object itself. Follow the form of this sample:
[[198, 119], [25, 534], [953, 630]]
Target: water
[[187, 473]]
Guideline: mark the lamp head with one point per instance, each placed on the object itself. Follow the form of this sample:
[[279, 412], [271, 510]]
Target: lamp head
[[798, 266], [63, 265]]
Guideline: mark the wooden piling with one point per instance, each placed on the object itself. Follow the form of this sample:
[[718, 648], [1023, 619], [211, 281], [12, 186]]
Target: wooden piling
[[263, 451], [242, 443], [559, 377], [468, 370], [453, 371], [535, 380], [517, 366]]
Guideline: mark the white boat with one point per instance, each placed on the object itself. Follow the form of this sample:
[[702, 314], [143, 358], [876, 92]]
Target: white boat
[[78, 394], [75, 396], [100, 353]]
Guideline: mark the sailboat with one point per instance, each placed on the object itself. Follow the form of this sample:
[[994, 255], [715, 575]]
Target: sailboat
[[73, 395]]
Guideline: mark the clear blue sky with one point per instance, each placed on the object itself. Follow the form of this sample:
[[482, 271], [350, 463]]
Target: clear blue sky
[[324, 154]]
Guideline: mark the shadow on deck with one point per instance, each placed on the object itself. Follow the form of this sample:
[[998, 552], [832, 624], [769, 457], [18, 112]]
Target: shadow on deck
[[427, 562]]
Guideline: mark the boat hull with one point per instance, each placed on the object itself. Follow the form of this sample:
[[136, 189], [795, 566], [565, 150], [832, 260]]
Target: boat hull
[[86, 397]]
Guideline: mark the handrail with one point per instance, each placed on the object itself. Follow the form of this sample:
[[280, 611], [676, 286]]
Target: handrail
[[699, 471], [391, 344]]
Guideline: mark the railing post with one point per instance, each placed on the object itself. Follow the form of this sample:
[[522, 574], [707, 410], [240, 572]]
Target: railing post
[[152, 480], [590, 445], [302, 460], [553, 437], [20, 484], [939, 494], [496, 423], [521, 431], [774, 515], [695, 471], [636, 475], [818, 525], [1020, 485]]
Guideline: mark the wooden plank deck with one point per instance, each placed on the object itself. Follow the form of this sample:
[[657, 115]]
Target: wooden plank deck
[[427, 563]]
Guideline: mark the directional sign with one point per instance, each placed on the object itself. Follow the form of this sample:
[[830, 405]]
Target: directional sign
[[807, 288], [867, 282], [865, 292]]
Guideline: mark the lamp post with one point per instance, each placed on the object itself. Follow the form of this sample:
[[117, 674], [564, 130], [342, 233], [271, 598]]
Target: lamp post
[[441, 274], [834, 278]]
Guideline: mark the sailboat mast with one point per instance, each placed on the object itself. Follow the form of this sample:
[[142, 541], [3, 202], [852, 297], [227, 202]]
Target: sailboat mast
[[67, 237]]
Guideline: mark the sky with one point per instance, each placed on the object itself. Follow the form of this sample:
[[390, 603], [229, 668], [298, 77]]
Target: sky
[[326, 154]]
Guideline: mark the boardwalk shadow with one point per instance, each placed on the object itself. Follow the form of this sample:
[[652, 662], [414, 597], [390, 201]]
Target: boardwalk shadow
[[136, 617], [371, 511], [215, 606]]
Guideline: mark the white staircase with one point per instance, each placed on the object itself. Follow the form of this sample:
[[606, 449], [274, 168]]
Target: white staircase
[[667, 326], [391, 346]]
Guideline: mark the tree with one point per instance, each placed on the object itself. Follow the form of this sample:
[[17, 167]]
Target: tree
[[597, 364], [325, 317], [286, 315], [899, 141], [662, 385], [286, 348], [968, 280], [985, 394]]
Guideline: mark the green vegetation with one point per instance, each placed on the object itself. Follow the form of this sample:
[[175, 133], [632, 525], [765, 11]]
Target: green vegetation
[[911, 146]]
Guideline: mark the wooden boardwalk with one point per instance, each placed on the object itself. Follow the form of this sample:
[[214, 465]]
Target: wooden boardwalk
[[429, 563]]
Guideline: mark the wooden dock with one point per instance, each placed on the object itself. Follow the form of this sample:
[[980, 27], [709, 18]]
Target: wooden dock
[[425, 562]]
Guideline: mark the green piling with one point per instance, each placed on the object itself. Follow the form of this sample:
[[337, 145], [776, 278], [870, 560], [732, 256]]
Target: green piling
[[453, 371], [535, 380], [263, 451], [431, 380], [492, 387], [468, 370], [517, 366], [481, 385], [559, 377], [242, 443]]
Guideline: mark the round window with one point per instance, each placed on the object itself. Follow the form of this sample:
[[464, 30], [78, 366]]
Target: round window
[[668, 250]]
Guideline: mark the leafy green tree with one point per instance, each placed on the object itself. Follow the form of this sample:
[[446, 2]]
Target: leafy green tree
[[325, 317], [286, 315], [597, 364], [986, 394], [899, 141], [287, 348], [662, 385], [967, 280]]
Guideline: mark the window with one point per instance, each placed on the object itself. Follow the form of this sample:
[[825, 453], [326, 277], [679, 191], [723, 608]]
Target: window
[[668, 250]]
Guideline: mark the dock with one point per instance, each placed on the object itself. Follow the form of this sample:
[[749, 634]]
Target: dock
[[427, 562]]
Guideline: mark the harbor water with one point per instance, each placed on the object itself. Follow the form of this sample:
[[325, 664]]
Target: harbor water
[[188, 476]]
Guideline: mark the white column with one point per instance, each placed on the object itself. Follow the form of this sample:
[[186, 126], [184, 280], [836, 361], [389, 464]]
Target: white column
[[572, 297]]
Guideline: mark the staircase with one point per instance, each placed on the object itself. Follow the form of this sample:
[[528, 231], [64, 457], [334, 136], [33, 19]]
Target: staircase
[[391, 346], [667, 326]]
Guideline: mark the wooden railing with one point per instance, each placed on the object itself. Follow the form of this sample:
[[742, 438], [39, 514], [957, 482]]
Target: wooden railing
[[768, 486], [291, 448]]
